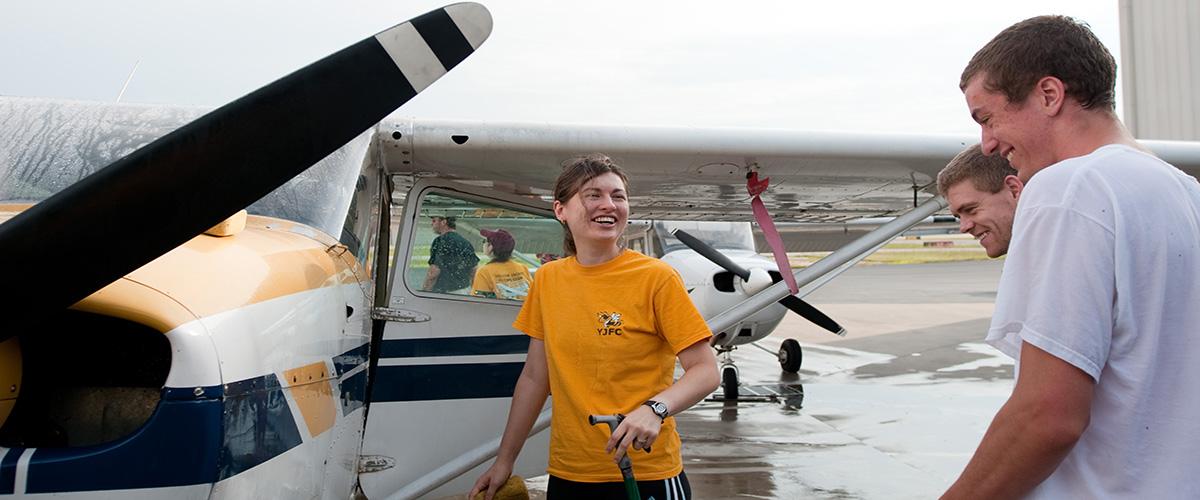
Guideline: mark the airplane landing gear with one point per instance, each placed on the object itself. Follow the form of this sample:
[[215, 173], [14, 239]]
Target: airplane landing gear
[[729, 382], [790, 356], [729, 375]]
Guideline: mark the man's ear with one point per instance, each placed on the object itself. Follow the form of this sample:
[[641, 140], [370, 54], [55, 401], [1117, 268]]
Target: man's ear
[[1051, 95], [1014, 185]]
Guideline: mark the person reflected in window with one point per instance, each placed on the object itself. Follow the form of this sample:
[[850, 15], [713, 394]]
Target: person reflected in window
[[501, 278], [452, 259]]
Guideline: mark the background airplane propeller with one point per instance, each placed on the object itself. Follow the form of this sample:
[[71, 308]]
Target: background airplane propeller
[[79, 240], [798, 306]]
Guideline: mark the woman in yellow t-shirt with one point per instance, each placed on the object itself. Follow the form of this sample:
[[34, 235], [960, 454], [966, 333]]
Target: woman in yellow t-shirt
[[500, 278], [606, 326]]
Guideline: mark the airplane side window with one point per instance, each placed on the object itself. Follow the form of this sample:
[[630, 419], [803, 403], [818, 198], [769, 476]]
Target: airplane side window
[[479, 250]]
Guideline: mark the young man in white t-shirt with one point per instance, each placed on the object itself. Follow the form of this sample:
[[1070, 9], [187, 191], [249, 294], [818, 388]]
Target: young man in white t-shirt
[[1099, 301]]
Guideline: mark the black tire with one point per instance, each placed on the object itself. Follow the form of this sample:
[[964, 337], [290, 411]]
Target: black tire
[[790, 356], [729, 382]]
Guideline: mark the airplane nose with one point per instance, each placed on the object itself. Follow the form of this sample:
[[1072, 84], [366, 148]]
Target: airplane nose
[[759, 280]]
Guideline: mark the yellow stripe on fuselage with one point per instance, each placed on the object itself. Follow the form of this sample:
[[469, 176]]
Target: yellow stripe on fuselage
[[10, 210], [207, 275], [313, 394]]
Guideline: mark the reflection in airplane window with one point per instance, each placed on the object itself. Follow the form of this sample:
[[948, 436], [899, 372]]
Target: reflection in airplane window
[[479, 249], [720, 235]]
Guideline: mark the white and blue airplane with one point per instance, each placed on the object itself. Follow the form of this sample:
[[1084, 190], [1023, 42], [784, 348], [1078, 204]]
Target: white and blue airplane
[[229, 304]]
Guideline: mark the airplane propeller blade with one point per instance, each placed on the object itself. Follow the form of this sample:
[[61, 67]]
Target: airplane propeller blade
[[792, 302], [80, 240], [711, 253], [807, 311]]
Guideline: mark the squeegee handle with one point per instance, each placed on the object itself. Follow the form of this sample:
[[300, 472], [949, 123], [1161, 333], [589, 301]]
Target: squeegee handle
[[626, 466]]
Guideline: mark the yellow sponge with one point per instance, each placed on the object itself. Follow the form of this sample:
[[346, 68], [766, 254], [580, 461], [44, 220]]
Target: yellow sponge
[[513, 489]]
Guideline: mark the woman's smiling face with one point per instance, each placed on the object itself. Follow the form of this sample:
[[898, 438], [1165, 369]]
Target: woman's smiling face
[[598, 213]]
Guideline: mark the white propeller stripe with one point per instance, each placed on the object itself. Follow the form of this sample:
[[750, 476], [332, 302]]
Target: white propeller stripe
[[474, 21], [412, 55]]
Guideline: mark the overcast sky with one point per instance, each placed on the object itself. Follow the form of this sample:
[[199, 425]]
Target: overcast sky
[[871, 65]]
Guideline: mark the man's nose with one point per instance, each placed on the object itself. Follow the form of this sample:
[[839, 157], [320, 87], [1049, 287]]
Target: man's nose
[[987, 142], [964, 225]]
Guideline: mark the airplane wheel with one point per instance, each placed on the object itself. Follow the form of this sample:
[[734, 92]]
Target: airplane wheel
[[790, 356], [729, 382]]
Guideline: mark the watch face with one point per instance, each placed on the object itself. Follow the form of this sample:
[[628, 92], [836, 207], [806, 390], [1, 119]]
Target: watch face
[[660, 409]]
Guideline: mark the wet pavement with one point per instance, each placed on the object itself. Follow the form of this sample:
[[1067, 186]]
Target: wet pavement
[[892, 411]]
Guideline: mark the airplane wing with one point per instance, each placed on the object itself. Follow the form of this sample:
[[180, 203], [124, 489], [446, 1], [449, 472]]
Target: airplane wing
[[700, 174]]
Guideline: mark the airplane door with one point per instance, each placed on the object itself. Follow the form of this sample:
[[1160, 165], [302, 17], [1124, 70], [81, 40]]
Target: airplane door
[[450, 358]]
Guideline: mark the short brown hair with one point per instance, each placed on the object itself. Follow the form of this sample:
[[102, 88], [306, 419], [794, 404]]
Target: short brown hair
[[575, 173], [985, 172], [1057, 46]]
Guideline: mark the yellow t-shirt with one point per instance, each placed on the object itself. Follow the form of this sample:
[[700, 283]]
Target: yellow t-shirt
[[611, 333], [502, 280]]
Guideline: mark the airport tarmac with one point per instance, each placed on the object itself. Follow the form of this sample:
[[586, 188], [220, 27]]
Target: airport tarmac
[[893, 410]]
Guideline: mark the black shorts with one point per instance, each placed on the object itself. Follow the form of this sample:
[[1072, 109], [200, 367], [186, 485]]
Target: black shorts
[[676, 488]]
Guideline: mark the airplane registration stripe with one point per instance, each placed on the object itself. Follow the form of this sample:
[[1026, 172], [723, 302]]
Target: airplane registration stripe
[[313, 394], [22, 471]]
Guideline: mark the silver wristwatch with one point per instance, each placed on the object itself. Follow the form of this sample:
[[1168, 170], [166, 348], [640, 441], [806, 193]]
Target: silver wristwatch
[[658, 408]]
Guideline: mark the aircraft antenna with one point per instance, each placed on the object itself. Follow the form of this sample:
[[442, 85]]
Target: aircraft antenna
[[127, 80]]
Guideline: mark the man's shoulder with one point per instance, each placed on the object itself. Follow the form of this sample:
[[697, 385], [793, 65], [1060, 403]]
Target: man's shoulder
[[1090, 175]]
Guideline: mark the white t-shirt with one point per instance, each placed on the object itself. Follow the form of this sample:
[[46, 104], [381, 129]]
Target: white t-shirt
[[1104, 273]]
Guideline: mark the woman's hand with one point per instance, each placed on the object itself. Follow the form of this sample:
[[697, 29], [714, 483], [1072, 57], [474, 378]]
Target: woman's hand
[[639, 429], [492, 480]]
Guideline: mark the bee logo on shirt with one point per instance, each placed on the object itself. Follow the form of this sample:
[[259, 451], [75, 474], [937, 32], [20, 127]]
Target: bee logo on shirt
[[610, 323]]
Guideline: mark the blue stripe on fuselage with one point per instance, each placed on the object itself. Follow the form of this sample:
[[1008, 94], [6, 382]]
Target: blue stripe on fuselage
[[198, 437], [8, 470], [351, 359], [177, 446], [354, 391], [455, 346], [258, 425], [437, 382]]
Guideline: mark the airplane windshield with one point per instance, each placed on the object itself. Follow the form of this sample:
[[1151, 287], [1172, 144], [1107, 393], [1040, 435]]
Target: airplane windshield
[[72, 140], [721, 235]]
